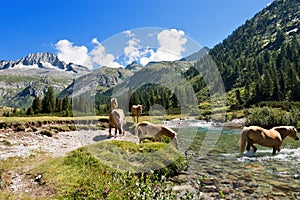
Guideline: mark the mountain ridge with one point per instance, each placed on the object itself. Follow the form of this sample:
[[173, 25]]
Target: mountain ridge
[[42, 60]]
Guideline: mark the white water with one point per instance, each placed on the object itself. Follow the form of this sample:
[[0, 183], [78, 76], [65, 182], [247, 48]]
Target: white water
[[285, 155]]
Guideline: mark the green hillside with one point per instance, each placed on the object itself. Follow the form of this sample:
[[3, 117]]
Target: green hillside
[[261, 58]]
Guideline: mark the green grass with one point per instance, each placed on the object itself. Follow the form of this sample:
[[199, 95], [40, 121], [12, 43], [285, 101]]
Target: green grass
[[92, 172]]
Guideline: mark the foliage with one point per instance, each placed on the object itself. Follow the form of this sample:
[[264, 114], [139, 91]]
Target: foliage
[[50, 105], [263, 55], [269, 117]]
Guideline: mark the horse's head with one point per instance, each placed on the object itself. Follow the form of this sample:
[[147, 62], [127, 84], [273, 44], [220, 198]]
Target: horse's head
[[293, 133]]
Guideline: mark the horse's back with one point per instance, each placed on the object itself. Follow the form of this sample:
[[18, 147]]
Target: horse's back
[[136, 109], [148, 128], [117, 116]]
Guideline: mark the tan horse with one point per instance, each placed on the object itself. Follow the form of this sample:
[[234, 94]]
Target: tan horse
[[113, 104], [268, 138], [136, 110], [145, 129], [117, 120]]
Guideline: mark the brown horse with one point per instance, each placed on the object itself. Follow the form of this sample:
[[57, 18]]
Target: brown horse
[[145, 129], [117, 120], [136, 110], [268, 138], [113, 104]]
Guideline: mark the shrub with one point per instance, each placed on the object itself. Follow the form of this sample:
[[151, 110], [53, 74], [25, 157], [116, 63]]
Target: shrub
[[48, 133], [269, 117], [20, 128]]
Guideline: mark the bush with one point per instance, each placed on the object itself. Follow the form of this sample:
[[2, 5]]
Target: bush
[[20, 128], [269, 117], [48, 133]]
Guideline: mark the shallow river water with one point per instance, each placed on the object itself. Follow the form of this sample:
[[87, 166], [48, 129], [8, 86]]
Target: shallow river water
[[224, 172]]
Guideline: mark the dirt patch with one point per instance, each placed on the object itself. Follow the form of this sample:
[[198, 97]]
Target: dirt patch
[[25, 185], [24, 144]]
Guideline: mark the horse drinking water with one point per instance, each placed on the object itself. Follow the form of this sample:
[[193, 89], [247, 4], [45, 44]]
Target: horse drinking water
[[145, 129], [268, 138]]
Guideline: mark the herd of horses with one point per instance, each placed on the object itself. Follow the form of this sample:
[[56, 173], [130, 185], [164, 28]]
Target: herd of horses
[[249, 136], [143, 130]]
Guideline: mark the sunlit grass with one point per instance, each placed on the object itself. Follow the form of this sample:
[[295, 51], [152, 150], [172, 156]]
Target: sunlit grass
[[83, 174]]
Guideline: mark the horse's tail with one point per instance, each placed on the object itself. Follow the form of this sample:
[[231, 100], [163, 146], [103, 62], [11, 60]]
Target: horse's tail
[[243, 140]]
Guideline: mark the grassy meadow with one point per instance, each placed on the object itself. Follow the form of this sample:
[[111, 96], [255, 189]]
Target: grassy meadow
[[82, 174]]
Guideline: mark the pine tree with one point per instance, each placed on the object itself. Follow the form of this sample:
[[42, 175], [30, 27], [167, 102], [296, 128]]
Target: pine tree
[[48, 102], [65, 104], [36, 105]]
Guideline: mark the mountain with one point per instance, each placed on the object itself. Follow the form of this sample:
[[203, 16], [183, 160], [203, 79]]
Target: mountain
[[96, 81], [260, 60], [134, 66], [22, 80], [42, 61], [197, 55]]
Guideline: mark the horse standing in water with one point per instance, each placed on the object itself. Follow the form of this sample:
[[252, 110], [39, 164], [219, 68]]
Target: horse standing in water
[[268, 138], [136, 110], [145, 129]]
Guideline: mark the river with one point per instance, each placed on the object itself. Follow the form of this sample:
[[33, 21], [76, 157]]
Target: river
[[224, 172]]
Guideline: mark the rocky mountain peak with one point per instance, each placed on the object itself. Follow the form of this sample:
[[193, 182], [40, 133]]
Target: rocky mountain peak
[[42, 60]]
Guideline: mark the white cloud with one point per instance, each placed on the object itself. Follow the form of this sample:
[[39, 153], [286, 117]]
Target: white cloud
[[132, 51], [171, 46], [129, 33], [80, 55], [100, 58], [69, 53]]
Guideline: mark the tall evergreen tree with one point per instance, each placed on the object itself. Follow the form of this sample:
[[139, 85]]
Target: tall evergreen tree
[[48, 102], [37, 105]]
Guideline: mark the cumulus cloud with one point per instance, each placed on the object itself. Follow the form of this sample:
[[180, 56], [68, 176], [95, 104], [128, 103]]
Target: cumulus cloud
[[69, 53], [132, 52], [100, 58], [80, 55], [171, 46]]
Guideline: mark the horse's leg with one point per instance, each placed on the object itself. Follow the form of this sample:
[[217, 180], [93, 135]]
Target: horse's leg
[[274, 151], [254, 148], [109, 131], [120, 131], [116, 129], [137, 119], [276, 148], [248, 146]]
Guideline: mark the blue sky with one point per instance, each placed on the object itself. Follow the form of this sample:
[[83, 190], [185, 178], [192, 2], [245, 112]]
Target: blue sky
[[38, 25]]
